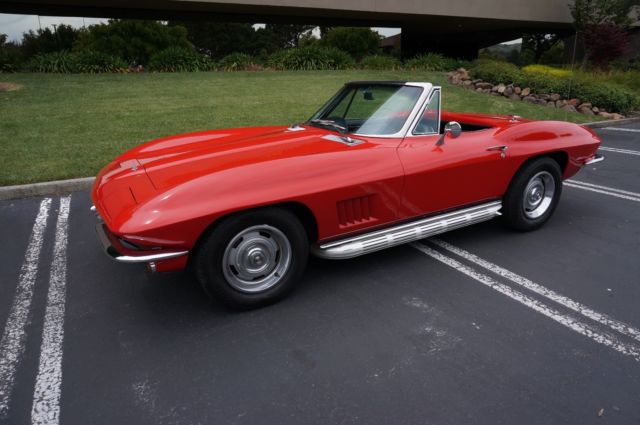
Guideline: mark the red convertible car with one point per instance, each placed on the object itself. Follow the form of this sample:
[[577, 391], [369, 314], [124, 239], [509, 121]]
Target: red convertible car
[[379, 165]]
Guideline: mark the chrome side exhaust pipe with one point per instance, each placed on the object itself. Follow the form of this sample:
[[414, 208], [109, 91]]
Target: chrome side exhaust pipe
[[407, 232]]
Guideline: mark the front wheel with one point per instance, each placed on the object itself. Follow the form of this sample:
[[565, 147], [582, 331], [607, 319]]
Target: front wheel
[[253, 258], [533, 195]]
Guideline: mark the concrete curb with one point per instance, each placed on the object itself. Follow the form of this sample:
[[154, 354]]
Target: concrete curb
[[609, 123], [59, 187]]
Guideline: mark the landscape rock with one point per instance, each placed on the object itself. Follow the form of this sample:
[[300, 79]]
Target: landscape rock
[[555, 97], [501, 88], [467, 84], [605, 115], [515, 97], [484, 85], [517, 90], [508, 91], [551, 104], [463, 74], [595, 110], [569, 108], [585, 111], [560, 103], [585, 105], [530, 99], [573, 102], [525, 92], [544, 96], [617, 116]]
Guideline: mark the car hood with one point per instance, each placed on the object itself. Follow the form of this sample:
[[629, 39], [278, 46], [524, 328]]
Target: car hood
[[174, 160]]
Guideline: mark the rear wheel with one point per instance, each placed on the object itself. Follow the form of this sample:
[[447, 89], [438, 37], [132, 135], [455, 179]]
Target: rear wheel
[[253, 258], [533, 194]]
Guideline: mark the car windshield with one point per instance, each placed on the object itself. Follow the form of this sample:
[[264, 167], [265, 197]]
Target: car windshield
[[368, 109]]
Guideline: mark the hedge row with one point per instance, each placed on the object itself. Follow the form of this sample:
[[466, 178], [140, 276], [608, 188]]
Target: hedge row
[[183, 60], [587, 88]]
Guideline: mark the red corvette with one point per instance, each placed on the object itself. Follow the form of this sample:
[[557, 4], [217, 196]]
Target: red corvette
[[379, 165]]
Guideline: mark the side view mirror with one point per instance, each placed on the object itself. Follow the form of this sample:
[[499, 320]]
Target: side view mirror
[[453, 129]]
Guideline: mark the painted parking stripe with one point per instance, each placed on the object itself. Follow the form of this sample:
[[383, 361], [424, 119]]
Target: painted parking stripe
[[607, 188], [628, 130], [14, 335], [522, 281], [617, 193], [46, 396], [617, 150], [583, 328]]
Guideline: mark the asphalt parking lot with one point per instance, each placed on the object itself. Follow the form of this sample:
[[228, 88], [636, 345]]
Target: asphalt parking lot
[[480, 326]]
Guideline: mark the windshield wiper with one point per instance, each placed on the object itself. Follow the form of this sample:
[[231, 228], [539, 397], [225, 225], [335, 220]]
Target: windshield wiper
[[331, 123]]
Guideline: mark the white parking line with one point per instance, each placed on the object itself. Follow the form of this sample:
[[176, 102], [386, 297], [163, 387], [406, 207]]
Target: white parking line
[[628, 130], [583, 328], [522, 281], [618, 150], [46, 396], [14, 336], [623, 194]]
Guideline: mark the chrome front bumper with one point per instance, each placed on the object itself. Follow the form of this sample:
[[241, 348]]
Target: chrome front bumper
[[597, 158], [113, 253]]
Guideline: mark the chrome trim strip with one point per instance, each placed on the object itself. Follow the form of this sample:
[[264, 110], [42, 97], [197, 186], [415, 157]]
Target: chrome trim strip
[[408, 232], [596, 159], [115, 255]]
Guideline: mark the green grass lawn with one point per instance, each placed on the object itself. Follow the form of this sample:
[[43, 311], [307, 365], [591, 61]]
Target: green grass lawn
[[66, 126]]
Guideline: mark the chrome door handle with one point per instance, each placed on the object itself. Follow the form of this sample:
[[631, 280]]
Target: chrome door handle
[[501, 148]]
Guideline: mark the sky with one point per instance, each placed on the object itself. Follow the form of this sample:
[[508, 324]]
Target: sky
[[15, 25]]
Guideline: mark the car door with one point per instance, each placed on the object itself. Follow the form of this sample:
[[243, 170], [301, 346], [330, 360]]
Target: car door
[[464, 170]]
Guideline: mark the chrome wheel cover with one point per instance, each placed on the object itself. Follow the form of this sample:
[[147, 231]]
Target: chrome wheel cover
[[538, 195], [256, 259]]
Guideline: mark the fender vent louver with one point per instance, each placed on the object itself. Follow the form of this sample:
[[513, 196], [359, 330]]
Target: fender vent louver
[[355, 211]]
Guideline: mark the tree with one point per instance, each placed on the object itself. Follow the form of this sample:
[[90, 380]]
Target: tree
[[605, 43], [133, 40], [602, 25], [47, 41], [539, 44], [357, 41], [219, 39], [283, 36], [599, 12]]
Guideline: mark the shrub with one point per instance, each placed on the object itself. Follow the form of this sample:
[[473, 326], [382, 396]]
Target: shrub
[[587, 87], [177, 59], [609, 96], [380, 62], [238, 62], [310, 58], [547, 70], [7, 63], [495, 72], [96, 62], [433, 62], [133, 40], [357, 41], [57, 62]]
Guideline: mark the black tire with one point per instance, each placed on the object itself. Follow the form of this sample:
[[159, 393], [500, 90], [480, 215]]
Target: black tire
[[518, 208], [257, 238]]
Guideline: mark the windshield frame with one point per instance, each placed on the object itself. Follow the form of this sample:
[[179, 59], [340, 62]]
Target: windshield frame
[[427, 88]]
